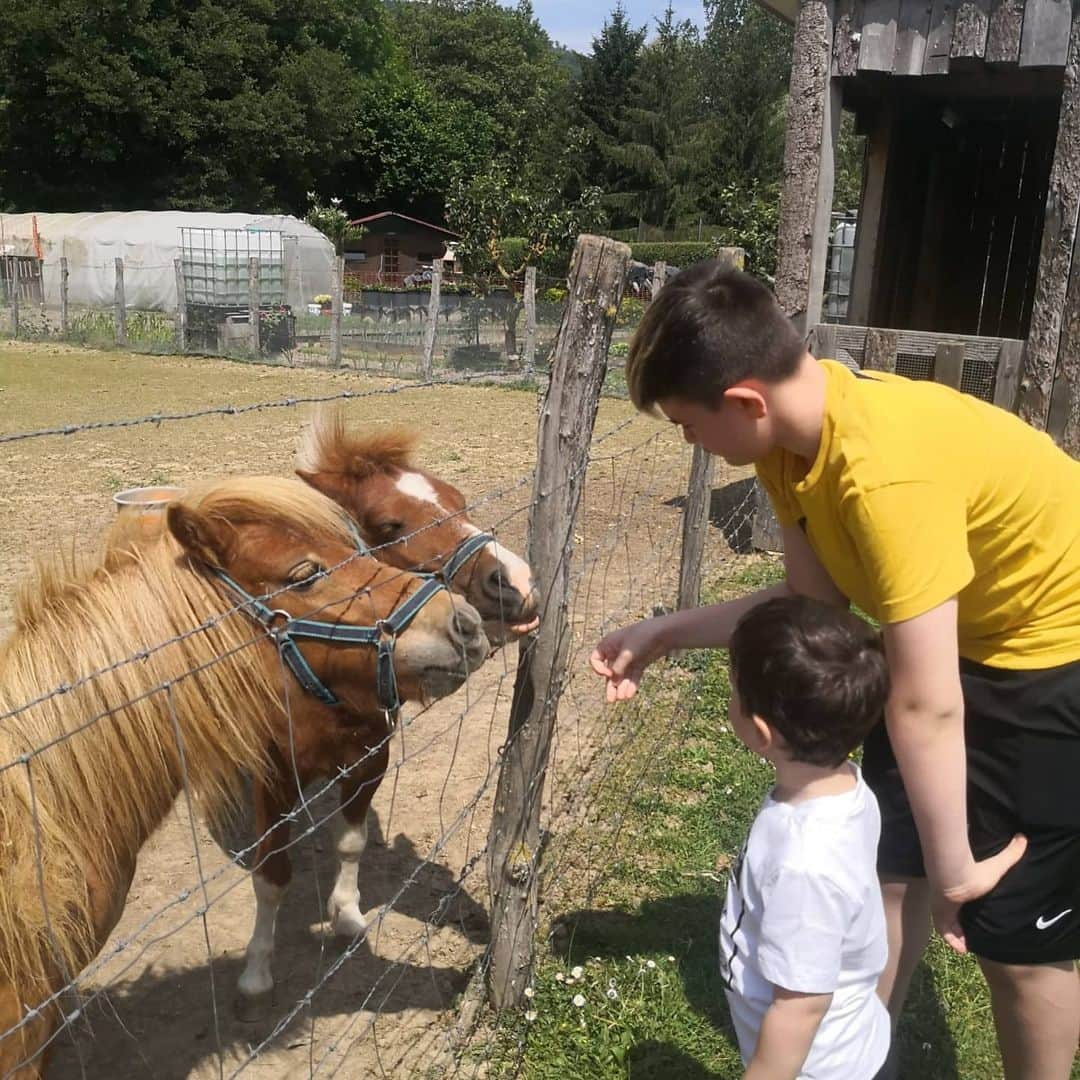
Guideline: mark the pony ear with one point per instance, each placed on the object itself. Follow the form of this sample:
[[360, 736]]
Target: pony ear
[[332, 485], [198, 537]]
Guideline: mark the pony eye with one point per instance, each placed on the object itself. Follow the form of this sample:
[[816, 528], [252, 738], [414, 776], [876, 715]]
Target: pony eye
[[303, 575], [389, 528]]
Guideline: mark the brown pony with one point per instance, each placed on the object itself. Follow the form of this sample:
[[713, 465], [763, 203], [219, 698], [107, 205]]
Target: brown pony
[[414, 521], [86, 775]]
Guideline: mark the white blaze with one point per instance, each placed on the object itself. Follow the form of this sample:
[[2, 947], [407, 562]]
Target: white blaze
[[515, 569]]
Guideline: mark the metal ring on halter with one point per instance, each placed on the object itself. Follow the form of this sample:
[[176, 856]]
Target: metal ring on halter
[[277, 625]]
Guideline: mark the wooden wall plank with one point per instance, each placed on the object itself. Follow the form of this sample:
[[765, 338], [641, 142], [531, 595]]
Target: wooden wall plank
[[1007, 376], [1055, 257], [813, 126], [867, 235], [822, 341], [939, 38], [970, 30], [845, 57], [1003, 37], [912, 30], [1045, 38], [949, 363], [877, 48], [880, 351], [1002, 237]]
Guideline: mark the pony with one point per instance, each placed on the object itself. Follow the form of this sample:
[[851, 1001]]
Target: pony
[[94, 749], [411, 520]]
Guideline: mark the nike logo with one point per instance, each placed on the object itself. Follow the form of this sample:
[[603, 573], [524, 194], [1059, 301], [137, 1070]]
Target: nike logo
[[1043, 924]]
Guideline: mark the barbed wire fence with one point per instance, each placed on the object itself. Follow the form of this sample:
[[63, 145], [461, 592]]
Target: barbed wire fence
[[615, 561], [265, 308]]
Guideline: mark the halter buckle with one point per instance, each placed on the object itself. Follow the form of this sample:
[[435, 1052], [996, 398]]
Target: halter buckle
[[278, 624]]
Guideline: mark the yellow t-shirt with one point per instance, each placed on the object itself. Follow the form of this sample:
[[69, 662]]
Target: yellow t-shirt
[[920, 493]]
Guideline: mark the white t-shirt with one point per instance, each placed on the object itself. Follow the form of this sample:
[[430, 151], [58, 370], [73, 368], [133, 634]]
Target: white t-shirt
[[804, 912]]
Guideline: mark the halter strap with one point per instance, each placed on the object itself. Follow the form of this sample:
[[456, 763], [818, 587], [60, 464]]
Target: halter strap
[[285, 630], [463, 553]]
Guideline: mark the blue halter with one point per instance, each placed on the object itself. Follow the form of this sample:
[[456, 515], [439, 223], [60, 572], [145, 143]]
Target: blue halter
[[286, 630]]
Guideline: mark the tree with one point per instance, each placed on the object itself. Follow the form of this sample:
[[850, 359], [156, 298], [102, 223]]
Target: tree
[[505, 227], [602, 103], [126, 104]]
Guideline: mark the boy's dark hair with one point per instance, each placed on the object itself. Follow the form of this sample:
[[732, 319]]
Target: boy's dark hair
[[709, 328], [815, 673]]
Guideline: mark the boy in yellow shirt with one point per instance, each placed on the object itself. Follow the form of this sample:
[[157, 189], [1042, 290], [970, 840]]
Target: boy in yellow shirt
[[957, 526]]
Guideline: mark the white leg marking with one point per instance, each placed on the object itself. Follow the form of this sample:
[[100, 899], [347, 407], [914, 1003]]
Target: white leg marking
[[344, 904], [257, 977]]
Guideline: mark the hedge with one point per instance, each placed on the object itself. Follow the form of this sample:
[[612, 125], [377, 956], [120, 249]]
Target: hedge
[[680, 253]]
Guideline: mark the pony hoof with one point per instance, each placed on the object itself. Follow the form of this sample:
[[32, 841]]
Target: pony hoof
[[348, 922], [251, 1008]]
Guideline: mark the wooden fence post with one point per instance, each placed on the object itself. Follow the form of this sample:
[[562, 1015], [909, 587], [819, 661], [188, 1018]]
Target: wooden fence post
[[120, 305], [578, 365], [530, 319], [695, 527], [254, 303], [14, 285], [432, 320], [659, 276], [949, 363], [181, 306], [337, 298], [63, 295]]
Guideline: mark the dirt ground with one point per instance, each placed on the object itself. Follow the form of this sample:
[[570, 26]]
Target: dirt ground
[[384, 1010]]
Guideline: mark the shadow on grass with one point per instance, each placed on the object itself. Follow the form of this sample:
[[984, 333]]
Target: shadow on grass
[[685, 926]]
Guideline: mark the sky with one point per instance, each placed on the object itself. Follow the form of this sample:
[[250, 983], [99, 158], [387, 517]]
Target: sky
[[575, 23]]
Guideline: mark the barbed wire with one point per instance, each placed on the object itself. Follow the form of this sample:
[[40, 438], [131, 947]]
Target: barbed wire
[[601, 594], [239, 410]]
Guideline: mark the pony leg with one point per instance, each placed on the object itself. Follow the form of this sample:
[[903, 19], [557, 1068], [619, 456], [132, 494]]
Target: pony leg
[[270, 879], [357, 790]]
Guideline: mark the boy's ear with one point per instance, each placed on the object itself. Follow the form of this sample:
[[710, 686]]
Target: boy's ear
[[748, 398]]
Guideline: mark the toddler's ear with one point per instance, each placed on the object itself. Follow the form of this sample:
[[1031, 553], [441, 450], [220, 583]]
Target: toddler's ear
[[764, 736]]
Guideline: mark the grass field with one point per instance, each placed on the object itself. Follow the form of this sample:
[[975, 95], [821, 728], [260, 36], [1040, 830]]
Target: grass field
[[636, 948]]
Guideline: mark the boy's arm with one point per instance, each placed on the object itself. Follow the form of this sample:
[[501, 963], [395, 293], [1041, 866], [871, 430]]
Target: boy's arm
[[787, 1032], [925, 719], [623, 655]]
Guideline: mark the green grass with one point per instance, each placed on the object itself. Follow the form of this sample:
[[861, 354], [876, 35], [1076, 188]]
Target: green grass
[[646, 928]]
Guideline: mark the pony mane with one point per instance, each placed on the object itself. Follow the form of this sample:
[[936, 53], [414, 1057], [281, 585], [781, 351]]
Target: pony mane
[[327, 446], [91, 799], [282, 501]]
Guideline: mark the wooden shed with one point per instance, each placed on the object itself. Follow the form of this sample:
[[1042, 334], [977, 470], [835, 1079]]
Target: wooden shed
[[967, 229]]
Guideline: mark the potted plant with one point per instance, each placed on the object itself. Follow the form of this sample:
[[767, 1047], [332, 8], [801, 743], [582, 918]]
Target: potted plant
[[323, 300]]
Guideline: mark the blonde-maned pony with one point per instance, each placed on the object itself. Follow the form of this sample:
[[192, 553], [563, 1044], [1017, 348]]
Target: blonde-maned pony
[[87, 774]]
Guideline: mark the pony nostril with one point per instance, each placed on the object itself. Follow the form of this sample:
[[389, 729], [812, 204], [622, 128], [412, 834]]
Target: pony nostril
[[465, 624], [495, 583]]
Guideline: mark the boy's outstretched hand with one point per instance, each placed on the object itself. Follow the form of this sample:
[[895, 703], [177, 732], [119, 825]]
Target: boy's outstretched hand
[[622, 657]]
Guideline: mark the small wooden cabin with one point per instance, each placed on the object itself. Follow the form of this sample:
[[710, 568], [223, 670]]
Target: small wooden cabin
[[967, 231]]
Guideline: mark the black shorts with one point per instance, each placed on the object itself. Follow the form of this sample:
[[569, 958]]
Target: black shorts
[[1022, 730]]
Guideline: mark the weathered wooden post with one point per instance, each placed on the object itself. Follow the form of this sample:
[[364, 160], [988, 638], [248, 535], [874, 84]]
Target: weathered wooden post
[[181, 306], [659, 276], [695, 527], [254, 303], [1050, 384], [579, 363], [337, 298], [63, 296], [432, 320], [530, 319], [120, 305], [13, 283]]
